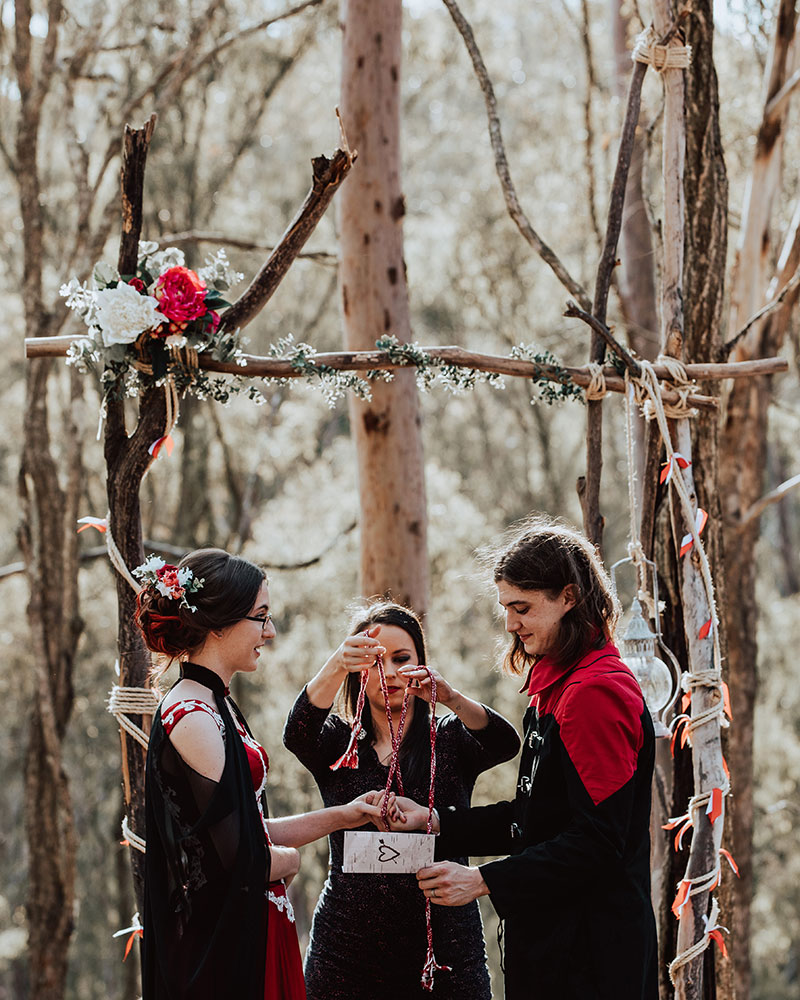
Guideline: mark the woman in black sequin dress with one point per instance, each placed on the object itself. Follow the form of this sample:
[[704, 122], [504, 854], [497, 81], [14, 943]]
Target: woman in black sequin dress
[[368, 938]]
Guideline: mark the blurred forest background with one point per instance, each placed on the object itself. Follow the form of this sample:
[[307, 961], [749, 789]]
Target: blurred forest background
[[277, 482]]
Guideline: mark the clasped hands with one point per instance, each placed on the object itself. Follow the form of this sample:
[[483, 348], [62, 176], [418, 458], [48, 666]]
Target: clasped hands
[[444, 883]]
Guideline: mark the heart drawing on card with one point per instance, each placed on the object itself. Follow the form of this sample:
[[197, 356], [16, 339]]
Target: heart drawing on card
[[386, 853]]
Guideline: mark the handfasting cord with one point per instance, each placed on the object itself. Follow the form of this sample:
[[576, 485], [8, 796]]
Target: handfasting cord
[[350, 757], [394, 762], [431, 965]]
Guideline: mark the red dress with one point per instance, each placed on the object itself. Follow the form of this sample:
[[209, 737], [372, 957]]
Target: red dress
[[283, 977]]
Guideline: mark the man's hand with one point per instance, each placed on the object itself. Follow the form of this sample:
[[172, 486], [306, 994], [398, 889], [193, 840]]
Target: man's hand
[[447, 884]]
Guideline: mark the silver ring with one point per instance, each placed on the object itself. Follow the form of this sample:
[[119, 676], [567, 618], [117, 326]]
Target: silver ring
[[433, 893]]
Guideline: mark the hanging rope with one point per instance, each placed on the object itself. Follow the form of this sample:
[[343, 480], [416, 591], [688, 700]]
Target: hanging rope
[[647, 50], [635, 548], [131, 838]]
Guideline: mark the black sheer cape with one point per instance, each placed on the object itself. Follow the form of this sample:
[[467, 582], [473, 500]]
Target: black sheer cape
[[206, 870]]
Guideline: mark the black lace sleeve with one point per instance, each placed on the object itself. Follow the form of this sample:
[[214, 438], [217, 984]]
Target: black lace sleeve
[[206, 870], [313, 735]]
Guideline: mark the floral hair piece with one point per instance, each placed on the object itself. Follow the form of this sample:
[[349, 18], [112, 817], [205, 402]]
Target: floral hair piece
[[168, 580]]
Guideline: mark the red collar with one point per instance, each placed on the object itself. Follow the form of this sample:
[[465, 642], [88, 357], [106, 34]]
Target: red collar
[[545, 673]]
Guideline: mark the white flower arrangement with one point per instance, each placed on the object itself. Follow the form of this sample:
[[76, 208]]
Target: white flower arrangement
[[138, 323], [168, 580]]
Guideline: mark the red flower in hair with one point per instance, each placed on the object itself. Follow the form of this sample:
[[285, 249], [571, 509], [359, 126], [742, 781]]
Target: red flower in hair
[[181, 294], [171, 584]]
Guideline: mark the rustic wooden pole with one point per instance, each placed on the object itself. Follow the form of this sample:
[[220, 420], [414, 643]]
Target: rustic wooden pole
[[707, 758], [589, 486], [127, 460]]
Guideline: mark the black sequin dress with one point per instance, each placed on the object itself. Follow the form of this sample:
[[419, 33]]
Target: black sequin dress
[[368, 938]]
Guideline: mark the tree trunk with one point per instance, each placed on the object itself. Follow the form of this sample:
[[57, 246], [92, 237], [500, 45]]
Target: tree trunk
[[743, 466], [49, 545], [374, 303]]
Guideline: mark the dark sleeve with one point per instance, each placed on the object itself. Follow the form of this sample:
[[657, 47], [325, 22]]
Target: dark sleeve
[[481, 749], [479, 830], [313, 735], [597, 725]]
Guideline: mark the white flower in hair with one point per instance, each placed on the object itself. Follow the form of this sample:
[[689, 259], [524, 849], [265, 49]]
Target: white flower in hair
[[168, 580]]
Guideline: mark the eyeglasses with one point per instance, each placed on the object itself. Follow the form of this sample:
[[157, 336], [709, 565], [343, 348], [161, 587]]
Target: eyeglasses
[[263, 621]]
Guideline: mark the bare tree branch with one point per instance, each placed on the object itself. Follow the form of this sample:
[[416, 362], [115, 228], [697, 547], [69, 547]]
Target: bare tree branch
[[190, 237], [177, 552], [236, 36], [771, 306], [501, 162], [777, 104], [588, 123], [772, 497], [603, 331], [328, 176]]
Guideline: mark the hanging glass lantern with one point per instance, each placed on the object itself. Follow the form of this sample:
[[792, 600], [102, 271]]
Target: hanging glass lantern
[[638, 645], [638, 649]]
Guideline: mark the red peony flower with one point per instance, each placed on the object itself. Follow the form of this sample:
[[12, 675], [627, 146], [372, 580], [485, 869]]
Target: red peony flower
[[181, 295], [138, 284]]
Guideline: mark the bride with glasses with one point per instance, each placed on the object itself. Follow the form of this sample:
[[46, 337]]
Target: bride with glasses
[[217, 919]]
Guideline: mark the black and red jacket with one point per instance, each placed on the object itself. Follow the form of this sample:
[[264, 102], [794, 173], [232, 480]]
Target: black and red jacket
[[574, 891]]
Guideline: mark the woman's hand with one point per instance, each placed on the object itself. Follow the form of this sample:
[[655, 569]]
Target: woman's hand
[[405, 815], [471, 712], [285, 863], [366, 809], [449, 884], [358, 652], [419, 684]]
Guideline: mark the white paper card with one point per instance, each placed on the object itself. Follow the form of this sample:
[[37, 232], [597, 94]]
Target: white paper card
[[386, 853]]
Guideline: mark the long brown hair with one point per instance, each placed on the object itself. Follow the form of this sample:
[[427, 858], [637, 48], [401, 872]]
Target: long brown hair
[[546, 555]]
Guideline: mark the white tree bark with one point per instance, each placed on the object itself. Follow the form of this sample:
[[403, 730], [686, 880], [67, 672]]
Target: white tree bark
[[374, 303]]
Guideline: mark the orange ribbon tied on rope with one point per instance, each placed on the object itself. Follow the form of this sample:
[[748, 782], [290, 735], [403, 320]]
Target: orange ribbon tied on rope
[[701, 517], [135, 930], [669, 466], [714, 807], [706, 629], [165, 442], [729, 858], [681, 898], [714, 932], [99, 523]]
